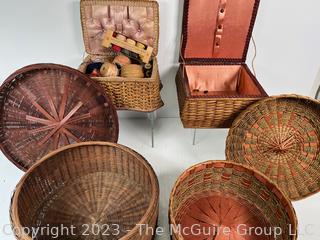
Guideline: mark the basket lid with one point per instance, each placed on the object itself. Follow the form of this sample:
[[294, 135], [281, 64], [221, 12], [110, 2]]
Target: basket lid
[[217, 30], [46, 106], [138, 20], [280, 137]]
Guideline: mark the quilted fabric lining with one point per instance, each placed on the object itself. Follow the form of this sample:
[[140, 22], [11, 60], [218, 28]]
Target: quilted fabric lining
[[137, 20]]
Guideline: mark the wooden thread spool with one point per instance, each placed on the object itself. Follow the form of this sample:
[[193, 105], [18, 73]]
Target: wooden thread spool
[[132, 71], [121, 60], [109, 70], [147, 66], [140, 45], [121, 37], [131, 41]]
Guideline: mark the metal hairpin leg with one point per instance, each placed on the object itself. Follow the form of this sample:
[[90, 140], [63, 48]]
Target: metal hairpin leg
[[194, 136], [152, 117]]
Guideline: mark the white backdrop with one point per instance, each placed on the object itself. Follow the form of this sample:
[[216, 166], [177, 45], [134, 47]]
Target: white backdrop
[[287, 33]]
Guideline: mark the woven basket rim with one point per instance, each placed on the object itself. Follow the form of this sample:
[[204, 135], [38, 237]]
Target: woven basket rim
[[41, 66], [144, 3], [253, 106], [14, 213], [255, 172]]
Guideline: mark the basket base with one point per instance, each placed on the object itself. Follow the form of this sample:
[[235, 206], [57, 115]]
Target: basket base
[[222, 217], [97, 206]]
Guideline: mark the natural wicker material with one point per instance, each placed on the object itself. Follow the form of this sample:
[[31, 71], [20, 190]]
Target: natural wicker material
[[210, 112], [96, 183], [128, 93], [46, 106], [219, 195], [139, 94], [216, 34], [280, 136]]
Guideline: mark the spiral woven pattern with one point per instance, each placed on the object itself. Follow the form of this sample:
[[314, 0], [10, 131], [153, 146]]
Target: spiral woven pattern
[[280, 136], [222, 200], [46, 106], [105, 186]]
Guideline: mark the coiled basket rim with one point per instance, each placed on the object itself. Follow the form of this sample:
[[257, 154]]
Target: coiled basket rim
[[14, 214], [246, 112]]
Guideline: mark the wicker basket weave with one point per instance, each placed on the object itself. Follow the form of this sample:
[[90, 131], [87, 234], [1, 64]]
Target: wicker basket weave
[[46, 106], [103, 185], [210, 112], [280, 137], [215, 39], [141, 94], [221, 200], [137, 94]]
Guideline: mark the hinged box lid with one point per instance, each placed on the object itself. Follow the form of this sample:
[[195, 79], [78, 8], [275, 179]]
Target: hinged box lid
[[217, 30], [138, 20]]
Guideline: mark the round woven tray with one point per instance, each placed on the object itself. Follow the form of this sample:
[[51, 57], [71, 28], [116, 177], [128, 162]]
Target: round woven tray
[[105, 186], [46, 106], [223, 200], [279, 136]]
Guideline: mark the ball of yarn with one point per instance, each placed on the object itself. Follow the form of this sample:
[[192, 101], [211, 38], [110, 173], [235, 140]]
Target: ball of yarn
[[132, 71], [121, 60], [109, 70]]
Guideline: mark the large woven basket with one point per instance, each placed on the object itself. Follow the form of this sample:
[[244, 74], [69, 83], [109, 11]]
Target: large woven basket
[[223, 200], [46, 106], [101, 190], [138, 94], [280, 137]]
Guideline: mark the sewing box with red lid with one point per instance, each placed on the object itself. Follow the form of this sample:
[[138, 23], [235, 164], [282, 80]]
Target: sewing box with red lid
[[214, 84]]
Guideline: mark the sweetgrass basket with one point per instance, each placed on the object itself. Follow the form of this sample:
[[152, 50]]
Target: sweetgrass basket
[[222, 200], [46, 106], [101, 190], [280, 137]]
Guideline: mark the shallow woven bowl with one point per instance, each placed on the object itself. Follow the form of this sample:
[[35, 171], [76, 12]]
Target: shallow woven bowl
[[101, 190], [280, 137], [223, 200], [46, 106]]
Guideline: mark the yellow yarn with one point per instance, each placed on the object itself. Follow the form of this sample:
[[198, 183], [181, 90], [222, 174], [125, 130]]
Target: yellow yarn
[[131, 41], [140, 45], [132, 71], [121, 37]]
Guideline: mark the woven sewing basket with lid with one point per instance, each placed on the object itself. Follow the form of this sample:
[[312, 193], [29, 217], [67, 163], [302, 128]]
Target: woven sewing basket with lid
[[214, 83], [106, 186], [280, 137], [222, 200], [47, 106], [138, 20]]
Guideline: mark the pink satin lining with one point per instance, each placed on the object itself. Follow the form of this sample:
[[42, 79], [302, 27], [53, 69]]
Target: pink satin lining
[[207, 27], [220, 80], [134, 22]]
